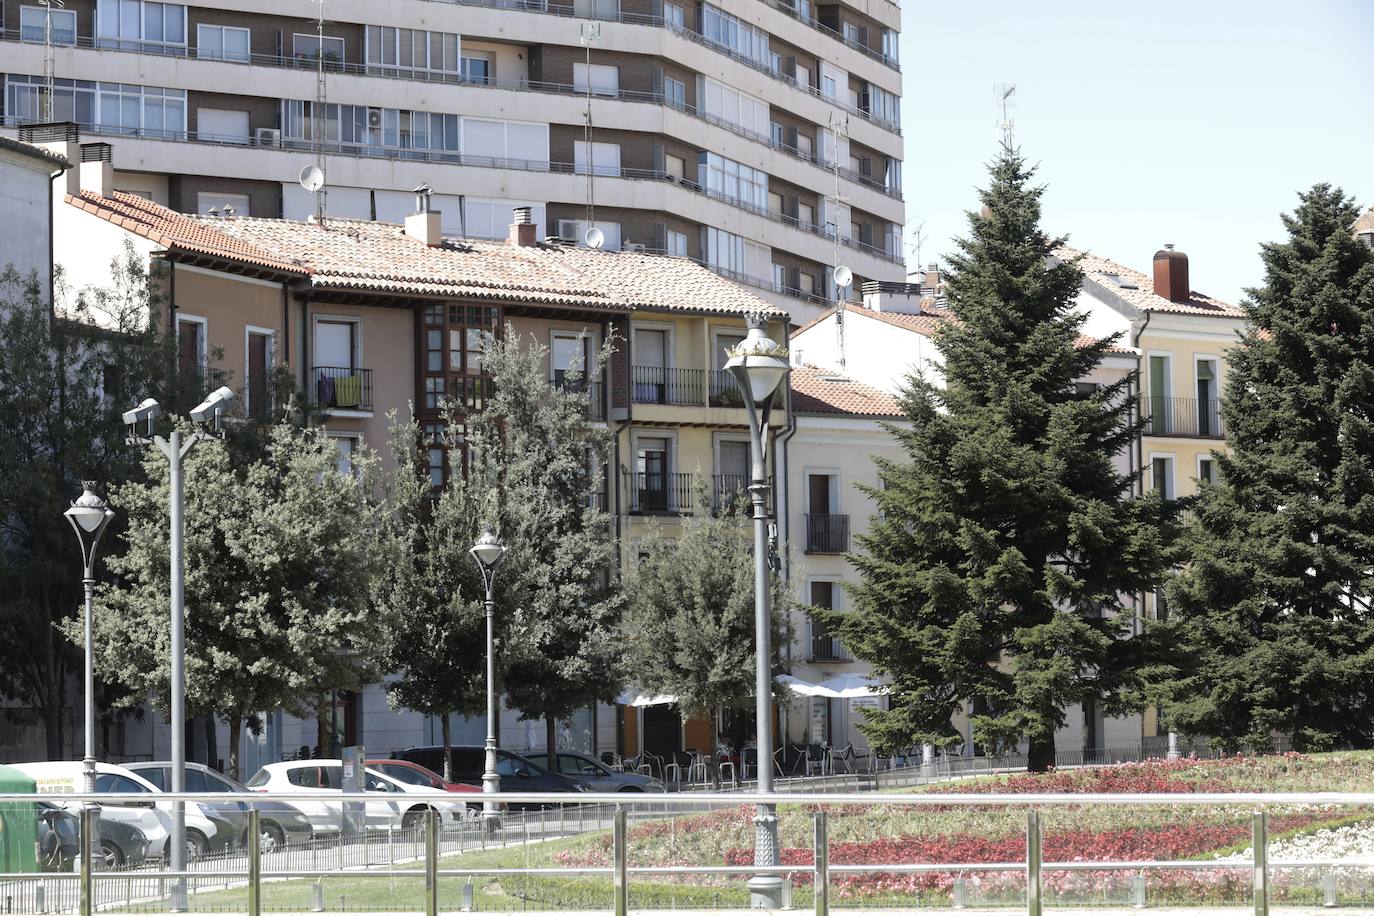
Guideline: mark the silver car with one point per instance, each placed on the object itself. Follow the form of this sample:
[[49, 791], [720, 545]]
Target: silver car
[[596, 774]]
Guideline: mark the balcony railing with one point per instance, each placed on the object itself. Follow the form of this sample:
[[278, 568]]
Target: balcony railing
[[595, 391], [1185, 417], [725, 391], [729, 489], [660, 493], [341, 388], [828, 649], [827, 533], [659, 385]]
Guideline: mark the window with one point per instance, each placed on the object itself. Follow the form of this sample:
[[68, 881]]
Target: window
[[479, 69], [677, 243], [883, 106], [1161, 604], [1206, 469], [733, 181], [158, 776], [257, 394], [576, 229], [190, 345], [451, 354], [604, 158], [33, 25], [506, 140], [139, 26], [308, 777], [346, 446], [568, 354], [73, 100], [433, 442], [142, 110], [407, 51], [651, 490], [674, 16], [734, 254], [729, 32], [735, 107], [1162, 476], [1158, 409], [363, 126], [890, 45], [113, 782], [214, 783], [222, 42], [674, 166], [674, 92], [605, 79], [225, 125], [312, 47], [1208, 405]]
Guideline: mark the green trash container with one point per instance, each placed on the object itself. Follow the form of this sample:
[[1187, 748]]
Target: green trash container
[[18, 824]]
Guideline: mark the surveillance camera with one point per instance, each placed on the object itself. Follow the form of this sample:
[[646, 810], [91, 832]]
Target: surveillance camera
[[219, 400], [148, 410]]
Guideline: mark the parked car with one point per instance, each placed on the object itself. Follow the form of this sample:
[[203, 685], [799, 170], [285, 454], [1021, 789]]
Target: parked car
[[517, 773], [404, 771], [403, 811], [599, 776], [281, 824], [59, 840]]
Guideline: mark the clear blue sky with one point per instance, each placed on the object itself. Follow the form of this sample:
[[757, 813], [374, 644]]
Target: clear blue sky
[[1193, 123]]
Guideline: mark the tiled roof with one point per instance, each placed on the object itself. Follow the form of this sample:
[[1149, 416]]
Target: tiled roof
[[1139, 288], [926, 323], [33, 152], [379, 257], [820, 391], [1365, 223]]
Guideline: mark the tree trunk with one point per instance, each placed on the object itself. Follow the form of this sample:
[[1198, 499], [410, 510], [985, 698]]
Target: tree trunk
[[235, 726], [321, 729], [211, 741], [448, 748], [551, 742], [1040, 755], [52, 729]]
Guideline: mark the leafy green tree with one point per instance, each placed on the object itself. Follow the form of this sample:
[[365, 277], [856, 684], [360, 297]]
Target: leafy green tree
[[995, 572], [689, 615], [1276, 601], [280, 555], [65, 382]]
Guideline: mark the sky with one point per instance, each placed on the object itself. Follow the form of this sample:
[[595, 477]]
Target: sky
[[1190, 123]]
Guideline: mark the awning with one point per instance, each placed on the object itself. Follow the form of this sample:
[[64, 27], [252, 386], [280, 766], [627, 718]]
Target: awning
[[850, 686], [630, 698]]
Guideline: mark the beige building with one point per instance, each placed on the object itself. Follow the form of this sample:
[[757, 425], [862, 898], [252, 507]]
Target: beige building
[[751, 135]]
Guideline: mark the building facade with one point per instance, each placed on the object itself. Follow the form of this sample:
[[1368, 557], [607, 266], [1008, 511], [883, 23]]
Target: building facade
[[759, 137], [26, 194]]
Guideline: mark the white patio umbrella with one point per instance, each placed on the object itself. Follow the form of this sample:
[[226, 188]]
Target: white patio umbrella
[[804, 688], [640, 700], [850, 686]]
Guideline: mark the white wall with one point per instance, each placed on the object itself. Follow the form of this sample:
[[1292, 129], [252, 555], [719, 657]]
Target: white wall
[[87, 248], [24, 213], [876, 353]]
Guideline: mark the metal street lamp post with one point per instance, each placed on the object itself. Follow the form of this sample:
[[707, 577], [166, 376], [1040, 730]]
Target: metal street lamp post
[[209, 411], [488, 552], [89, 517], [759, 364]]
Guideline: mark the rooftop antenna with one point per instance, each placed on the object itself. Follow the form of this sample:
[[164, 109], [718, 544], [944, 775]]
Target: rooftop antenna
[[1006, 101], [321, 98], [590, 34], [49, 57], [918, 239], [312, 179], [841, 276]]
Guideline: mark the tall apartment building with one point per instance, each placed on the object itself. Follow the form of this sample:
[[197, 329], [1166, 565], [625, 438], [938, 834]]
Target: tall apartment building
[[761, 139]]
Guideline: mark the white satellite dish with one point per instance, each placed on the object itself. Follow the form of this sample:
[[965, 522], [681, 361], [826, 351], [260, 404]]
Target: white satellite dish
[[594, 238], [843, 277], [312, 178]]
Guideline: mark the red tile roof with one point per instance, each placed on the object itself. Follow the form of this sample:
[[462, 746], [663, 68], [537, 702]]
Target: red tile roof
[[926, 323], [1365, 223], [1139, 289], [381, 258], [820, 391]]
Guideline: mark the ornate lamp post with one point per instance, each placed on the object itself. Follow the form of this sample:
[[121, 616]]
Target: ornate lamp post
[[488, 552], [759, 364]]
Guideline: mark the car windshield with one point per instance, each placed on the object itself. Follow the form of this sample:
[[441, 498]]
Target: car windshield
[[404, 774], [507, 766], [259, 779], [113, 782]]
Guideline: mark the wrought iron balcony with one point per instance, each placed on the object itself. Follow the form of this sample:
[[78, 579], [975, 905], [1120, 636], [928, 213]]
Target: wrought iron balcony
[[827, 533], [828, 649], [658, 385], [660, 493], [1183, 417], [341, 388]]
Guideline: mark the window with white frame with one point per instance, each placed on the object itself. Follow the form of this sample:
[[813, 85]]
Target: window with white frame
[[222, 42], [605, 79], [733, 181], [506, 140], [568, 354], [139, 25], [491, 219], [734, 107], [674, 16], [347, 446], [223, 125], [313, 47], [406, 51], [674, 92], [676, 243], [736, 254], [479, 67], [363, 126], [142, 109], [883, 106], [33, 24], [192, 352], [1206, 468], [730, 32], [73, 100], [1162, 475], [597, 158]]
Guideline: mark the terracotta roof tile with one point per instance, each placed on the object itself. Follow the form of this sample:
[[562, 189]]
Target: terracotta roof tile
[[1365, 223], [820, 391], [381, 258], [1139, 288]]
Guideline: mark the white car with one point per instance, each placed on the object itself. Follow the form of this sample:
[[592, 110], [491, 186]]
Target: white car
[[403, 810], [205, 831]]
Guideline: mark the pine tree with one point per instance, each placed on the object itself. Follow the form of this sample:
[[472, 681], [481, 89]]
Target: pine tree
[[1276, 601], [996, 570]]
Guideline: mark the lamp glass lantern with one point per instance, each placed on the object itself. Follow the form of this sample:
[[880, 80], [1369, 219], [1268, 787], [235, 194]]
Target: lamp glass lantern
[[487, 551], [761, 362]]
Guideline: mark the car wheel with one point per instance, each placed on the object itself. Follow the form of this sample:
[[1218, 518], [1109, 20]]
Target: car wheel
[[196, 846], [112, 854], [413, 819], [272, 838]]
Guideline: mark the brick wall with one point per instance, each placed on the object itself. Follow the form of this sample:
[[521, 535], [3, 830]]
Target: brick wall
[[264, 197]]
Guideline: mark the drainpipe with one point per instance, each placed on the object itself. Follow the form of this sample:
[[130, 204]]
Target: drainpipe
[[285, 320], [1138, 599], [620, 430], [174, 328]]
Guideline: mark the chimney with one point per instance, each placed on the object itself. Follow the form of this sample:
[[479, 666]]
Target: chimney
[[931, 283], [522, 231], [894, 298], [97, 169], [62, 138], [425, 224], [1171, 275]]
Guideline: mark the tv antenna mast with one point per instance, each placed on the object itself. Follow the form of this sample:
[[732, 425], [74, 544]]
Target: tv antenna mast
[[50, 58], [918, 238], [1006, 102], [590, 34], [320, 120], [841, 276]]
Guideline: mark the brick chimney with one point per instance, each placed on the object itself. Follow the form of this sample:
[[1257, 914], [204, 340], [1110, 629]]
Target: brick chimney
[[425, 224], [523, 230], [1171, 275], [97, 169]]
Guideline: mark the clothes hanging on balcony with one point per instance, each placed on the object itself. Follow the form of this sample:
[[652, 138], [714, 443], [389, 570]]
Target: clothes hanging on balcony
[[325, 391], [348, 391]]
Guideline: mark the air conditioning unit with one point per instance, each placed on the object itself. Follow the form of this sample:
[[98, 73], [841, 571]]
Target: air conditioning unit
[[567, 229], [634, 246], [374, 118], [267, 136]]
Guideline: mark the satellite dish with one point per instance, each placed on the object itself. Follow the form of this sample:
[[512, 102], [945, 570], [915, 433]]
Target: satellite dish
[[312, 178], [843, 277], [594, 238]]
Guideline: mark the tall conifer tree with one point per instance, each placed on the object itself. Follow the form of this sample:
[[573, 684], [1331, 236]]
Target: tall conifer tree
[[999, 570], [1277, 602]]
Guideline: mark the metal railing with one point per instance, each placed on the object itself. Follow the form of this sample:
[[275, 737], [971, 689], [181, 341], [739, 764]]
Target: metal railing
[[662, 385], [828, 649], [728, 489], [1185, 417], [827, 533], [661, 493], [419, 856], [341, 388], [592, 388]]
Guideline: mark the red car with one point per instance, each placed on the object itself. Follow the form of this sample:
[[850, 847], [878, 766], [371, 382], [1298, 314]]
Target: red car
[[416, 775]]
